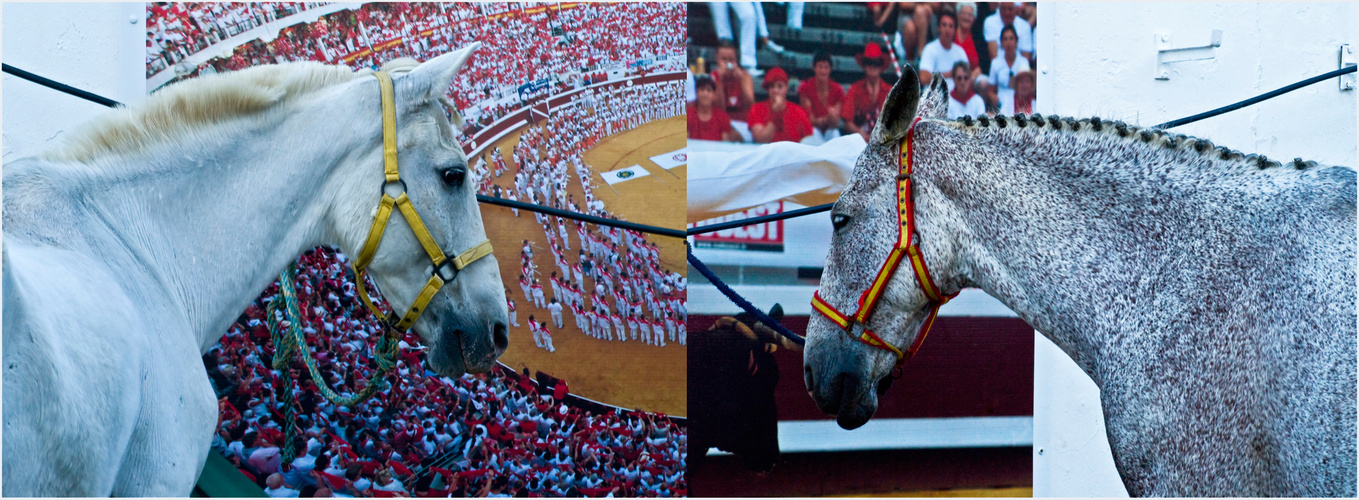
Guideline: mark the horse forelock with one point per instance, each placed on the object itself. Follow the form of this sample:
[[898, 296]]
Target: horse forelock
[[192, 104]]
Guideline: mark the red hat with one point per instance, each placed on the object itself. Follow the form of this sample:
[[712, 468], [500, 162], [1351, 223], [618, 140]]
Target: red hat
[[872, 51], [775, 74]]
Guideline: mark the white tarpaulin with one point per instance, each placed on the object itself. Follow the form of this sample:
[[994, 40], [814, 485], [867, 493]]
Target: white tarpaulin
[[721, 182], [672, 159], [624, 174]]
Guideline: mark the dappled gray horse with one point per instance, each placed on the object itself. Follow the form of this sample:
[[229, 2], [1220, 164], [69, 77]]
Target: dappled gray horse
[[1209, 294]]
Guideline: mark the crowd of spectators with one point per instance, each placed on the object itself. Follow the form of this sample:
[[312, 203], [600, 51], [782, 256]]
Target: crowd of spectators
[[495, 434], [177, 30], [938, 39], [629, 295], [522, 43]]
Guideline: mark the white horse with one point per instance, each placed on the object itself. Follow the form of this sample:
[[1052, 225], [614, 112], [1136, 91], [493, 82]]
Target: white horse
[[130, 251], [1209, 295]]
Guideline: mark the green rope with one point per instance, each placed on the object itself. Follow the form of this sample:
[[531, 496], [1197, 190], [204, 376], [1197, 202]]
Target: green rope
[[385, 354]]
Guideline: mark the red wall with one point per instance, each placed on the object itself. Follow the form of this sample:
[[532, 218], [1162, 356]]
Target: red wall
[[968, 367]]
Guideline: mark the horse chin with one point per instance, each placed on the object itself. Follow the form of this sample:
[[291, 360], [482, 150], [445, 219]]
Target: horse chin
[[851, 401], [461, 347], [857, 407], [446, 359], [478, 351]]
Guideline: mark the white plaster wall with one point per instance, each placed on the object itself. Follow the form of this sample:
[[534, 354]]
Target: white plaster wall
[[97, 47], [1097, 60]]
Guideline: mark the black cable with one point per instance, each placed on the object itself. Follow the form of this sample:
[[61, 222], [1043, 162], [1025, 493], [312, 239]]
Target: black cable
[[756, 220], [61, 87], [1253, 100], [674, 233]]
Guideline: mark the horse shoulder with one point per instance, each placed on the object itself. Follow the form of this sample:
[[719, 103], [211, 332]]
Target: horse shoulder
[[71, 384]]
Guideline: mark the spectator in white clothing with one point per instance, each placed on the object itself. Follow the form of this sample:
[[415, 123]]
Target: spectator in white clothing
[[1006, 16], [940, 56], [1008, 63], [1021, 97], [277, 489], [962, 100]]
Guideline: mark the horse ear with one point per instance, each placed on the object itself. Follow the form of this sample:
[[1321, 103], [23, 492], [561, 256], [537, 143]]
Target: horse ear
[[934, 104], [432, 78], [898, 111]]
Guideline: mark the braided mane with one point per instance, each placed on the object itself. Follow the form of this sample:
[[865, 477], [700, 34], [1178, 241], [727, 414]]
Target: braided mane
[[1130, 134]]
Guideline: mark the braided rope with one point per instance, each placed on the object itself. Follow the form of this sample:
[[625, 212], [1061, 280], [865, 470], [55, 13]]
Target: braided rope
[[740, 301], [385, 355]]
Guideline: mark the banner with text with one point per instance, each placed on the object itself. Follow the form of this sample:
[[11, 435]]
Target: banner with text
[[764, 237]]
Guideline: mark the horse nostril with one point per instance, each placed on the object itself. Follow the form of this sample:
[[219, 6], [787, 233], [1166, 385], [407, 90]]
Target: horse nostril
[[808, 379], [500, 336]]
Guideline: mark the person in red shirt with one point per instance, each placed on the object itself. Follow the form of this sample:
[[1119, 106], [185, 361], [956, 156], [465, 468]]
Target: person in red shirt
[[707, 122], [822, 98], [735, 87], [866, 96], [777, 120]]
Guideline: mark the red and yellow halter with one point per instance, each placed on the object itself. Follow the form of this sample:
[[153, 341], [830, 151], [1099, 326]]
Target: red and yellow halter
[[908, 245]]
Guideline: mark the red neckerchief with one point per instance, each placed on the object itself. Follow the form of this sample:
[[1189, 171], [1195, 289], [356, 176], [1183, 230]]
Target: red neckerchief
[[964, 101]]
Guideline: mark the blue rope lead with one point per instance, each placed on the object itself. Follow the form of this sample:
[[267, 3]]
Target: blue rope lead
[[738, 299]]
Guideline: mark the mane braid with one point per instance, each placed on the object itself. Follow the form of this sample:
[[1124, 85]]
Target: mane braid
[[1152, 137], [179, 108]]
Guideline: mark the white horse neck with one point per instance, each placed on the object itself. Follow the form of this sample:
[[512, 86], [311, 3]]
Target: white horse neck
[[1111, 242], [213, 217]]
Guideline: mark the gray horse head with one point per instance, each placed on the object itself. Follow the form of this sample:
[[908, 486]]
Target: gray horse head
[[843, 375]]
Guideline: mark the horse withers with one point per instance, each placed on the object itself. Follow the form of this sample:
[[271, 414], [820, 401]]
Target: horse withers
[[1209, 294], [129, 252]]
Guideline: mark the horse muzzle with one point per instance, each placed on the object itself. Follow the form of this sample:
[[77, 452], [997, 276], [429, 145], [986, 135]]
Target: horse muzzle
[[847, 396]]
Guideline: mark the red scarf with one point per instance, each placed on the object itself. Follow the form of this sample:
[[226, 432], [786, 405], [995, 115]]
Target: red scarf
[[962, 99]]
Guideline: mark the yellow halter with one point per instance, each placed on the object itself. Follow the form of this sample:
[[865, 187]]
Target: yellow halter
[[384, 213]]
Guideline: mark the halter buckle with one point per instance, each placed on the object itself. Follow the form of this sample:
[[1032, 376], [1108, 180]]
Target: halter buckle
[[446, 264], [386, 183], [849, 327]]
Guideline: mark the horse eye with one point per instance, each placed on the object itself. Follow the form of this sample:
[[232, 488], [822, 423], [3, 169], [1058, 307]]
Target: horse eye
[[454, 176], [839, 221]]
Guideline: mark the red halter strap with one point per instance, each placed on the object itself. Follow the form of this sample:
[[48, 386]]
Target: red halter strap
[[907, 246]]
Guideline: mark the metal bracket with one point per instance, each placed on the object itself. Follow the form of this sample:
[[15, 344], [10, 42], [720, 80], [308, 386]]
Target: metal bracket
[[1166, 55], [1347, 82]]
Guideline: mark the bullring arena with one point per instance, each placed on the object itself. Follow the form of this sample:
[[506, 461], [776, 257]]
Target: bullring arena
[[633, 373]]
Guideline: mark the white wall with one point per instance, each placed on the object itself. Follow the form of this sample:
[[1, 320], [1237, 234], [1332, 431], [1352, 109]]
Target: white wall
[[97, 47], [1097, 59]]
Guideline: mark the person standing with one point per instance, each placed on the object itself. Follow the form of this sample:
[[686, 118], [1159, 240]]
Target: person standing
[[538, 297], [556, 309], [547, 337], [533, 328]]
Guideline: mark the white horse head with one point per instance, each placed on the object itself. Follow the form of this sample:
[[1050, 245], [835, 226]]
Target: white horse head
[[130, 251], [844, 375], [465, 324]]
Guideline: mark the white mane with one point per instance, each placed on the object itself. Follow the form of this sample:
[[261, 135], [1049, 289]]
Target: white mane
[[193, 103]]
